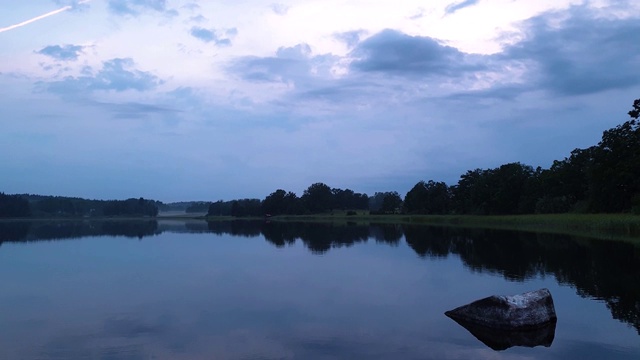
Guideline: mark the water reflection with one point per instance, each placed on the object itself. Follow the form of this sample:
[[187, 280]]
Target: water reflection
[[26, 231], [122, 337], [244, 228], [503, 339], [317, 237], [604, 270]]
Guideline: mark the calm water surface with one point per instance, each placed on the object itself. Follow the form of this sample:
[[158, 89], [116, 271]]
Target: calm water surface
[[254, 290]]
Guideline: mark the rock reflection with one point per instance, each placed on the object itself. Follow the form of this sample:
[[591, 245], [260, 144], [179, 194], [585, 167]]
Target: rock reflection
[[600, 269], [499, 340]]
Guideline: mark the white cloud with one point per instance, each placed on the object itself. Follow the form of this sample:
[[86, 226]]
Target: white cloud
[[332, 103]]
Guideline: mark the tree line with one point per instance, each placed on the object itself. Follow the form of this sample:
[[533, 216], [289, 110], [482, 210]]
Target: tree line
[[604, 178], [317, 198], [13, 206], [27, 205]]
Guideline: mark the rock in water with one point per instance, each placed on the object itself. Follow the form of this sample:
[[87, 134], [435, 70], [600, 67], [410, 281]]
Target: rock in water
[[530, 310]]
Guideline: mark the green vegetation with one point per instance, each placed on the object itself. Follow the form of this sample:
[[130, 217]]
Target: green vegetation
[[604, 226]]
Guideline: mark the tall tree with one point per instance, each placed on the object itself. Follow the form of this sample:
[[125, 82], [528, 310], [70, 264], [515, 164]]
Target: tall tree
[[565, 185], [220, 208], [375, 201], [616, 167], [503, 190], [415, 202], [348, 199], [472, 193], [293, 204], [509, 185], [392, 203], [428, 198], [275, 203], [318, 198], [246, 207]]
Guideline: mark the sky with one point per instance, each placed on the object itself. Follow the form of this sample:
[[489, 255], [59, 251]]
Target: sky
[[205, 100]]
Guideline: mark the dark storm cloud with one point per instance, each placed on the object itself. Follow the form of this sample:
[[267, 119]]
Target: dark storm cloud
[[62, 53], [116, 74], [459, 6], [394, 52], [212, 35], [372, 75], [289, 64], [135, 7], [583, 55], [562, 53]]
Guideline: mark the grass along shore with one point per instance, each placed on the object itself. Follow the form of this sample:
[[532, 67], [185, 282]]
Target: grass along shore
[[624, 227]]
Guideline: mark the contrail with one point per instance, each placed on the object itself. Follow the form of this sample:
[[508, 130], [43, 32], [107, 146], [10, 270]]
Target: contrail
[[54, 12]]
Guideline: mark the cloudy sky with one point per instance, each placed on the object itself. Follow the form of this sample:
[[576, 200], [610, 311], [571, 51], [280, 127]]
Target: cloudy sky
[[205, 100]]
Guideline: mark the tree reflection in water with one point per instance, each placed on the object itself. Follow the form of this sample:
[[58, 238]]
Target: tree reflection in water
[[600, 269], [27, 231]]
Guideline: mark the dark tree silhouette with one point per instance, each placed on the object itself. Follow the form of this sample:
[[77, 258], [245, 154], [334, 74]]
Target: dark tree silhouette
[[392, 203], [318, 198], [13, 206], [428, 198], [615, 171]]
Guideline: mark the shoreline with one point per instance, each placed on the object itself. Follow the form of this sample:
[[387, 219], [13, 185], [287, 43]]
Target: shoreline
[[619, 227]]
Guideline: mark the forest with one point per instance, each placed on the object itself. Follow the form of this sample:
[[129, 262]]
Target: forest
[[604, 178], [27, 205]]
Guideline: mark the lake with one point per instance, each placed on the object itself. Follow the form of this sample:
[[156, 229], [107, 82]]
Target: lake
[[172, 289]]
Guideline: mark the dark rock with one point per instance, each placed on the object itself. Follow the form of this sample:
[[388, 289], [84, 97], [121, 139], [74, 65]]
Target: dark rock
[[527, 311]]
